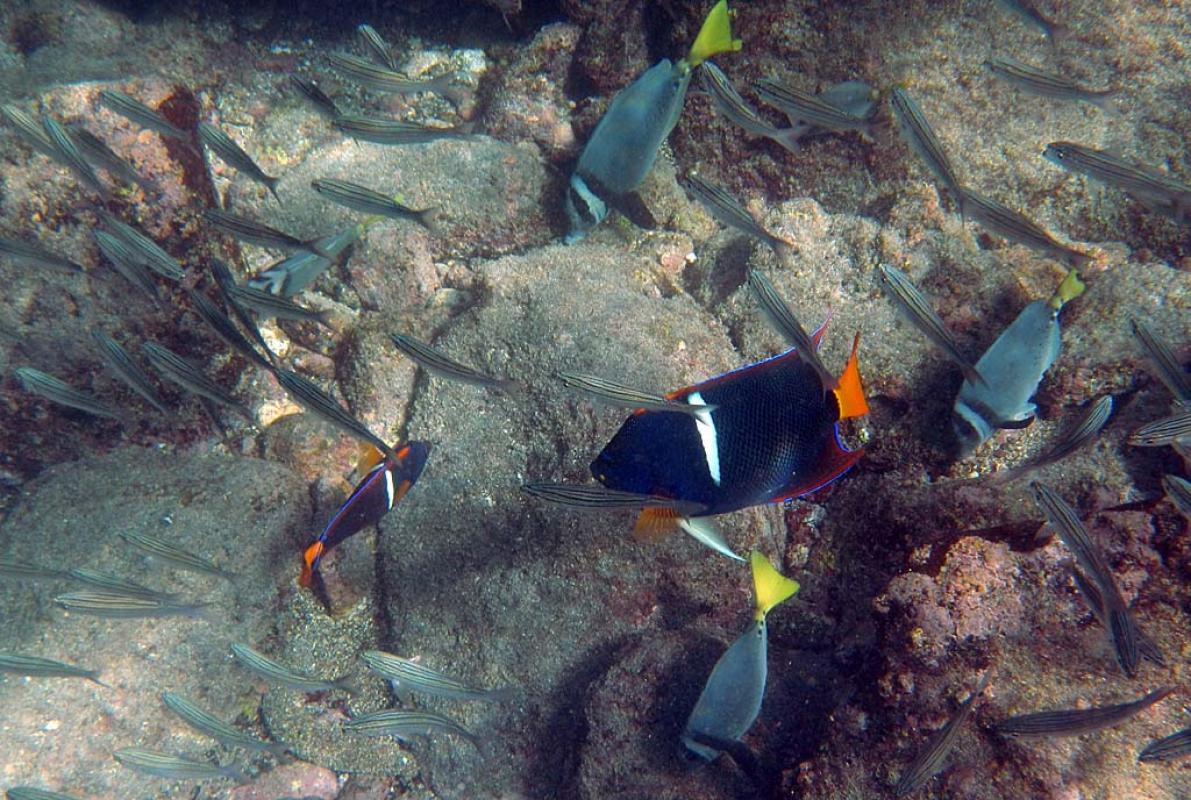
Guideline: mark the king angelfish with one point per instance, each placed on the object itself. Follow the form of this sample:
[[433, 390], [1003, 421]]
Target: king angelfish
[[625, 143], [1012, 368], [731, 699]]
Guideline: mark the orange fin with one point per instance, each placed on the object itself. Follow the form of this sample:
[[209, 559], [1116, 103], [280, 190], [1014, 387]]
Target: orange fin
[[655, 523], [850, 393], [369, 457], [308, 559]]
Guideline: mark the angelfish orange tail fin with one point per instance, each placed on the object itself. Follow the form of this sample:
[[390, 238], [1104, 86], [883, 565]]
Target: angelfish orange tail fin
[[310, 561], [850, 392]]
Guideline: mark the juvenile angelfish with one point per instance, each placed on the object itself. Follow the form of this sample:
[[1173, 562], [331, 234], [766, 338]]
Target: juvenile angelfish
[[1012, 368], [625, 143], [771, 432], [731, 699], [375, 495]]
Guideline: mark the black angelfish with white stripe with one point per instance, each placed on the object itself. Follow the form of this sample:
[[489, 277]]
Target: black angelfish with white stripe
[[374, 497], [773, 435]]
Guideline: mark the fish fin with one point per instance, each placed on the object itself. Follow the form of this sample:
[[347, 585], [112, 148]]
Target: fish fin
[[850, 392], [714, 37], [271, 183], [634, 209], [1071, 288], [1015, 424], [428, 219], [370, 456], [310, 561], [703, 531], [654, 523], [769, 586]]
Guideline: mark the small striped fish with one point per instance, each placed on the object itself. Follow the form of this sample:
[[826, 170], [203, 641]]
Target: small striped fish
[[584, 496], [70, 156], [783, 320], [307, 392], [618, 394], [29, 129], [1179, 491], [210, 725], [1046, 84], [389, 131], [419, 678], [1147, 648], [98, 153], [268, 304], [182, 372], [921, 138], [164, 765], [810, 108], [33, 793], [732, 107], [24, 571], [1165, 431], [275, 673], [1168, 748], [1077, 436], [377, 46], [45, 668], [126, 262], [144, 249], [1004, 221], [115, 584], [366, 73], [931, 760], [403, 724], [233, 155], [1167, 366], [173, 555], [35, 254], [125, 606], [361, 198], [316, 96], [728, 211], [62, 393], [227, 330], [253, 232], [134, 110], [442, 365], [121, 363], [1129, 177], [1074, 722]]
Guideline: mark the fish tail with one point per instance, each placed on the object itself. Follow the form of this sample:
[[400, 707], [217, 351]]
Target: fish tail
[[343, 684], [279, 749], [849, 394], [769, 585], [271, 183], [714, 37], [1071, 288], [310, 561], [428, 219]]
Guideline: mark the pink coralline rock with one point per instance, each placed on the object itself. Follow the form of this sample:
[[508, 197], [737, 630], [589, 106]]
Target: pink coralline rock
[[299, 779]]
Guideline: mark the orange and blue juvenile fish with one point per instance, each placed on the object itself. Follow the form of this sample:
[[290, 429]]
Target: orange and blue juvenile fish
[[374, 497], [771, 433]]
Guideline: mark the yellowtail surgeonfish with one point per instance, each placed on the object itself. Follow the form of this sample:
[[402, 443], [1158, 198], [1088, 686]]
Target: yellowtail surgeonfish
[[625, 143], [731, 699]]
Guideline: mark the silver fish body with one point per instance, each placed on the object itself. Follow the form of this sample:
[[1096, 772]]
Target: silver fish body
[[316, 97], [127, 263], [310, 395], [366, 73], [62, 393], [420, 678], [274, 673], [210, 725], [28, 253], [113, 605], [268, 305], [180, 371], [1015, 226], [800, 106], [1046, 84], [29, 130], [625, 143], [227, 330], [1012, 368], [126, 369], [70, 156], [233, 155], [392, 131], [624, 396], [1075, 722], [729, 211], [731, 698], [1168, 367], [778, 312], [143, 249], [173, 554], [36, 666], [1150, 186], [361, 198], [439, 363], [923, 140], [164, 765], [132, 109], [96, 151], [403, 724], [1179, 491], [33, 793], [578, 495], [377, 46]]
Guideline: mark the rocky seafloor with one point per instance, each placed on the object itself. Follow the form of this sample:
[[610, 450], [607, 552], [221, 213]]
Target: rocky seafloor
[[918, 573]]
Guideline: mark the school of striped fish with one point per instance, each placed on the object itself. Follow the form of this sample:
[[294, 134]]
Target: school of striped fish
[[713, 476]]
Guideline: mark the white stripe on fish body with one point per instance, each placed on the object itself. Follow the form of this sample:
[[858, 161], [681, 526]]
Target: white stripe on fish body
[[389, 491], [731, 699], [707, 437]]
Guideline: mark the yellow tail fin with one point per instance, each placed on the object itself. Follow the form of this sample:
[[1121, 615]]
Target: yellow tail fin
[[850, 393], [770, 586], [1071, 288], [714, 37]]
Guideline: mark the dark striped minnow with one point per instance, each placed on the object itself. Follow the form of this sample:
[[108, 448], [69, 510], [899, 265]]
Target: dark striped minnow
[[1167, 366], [366, 73], [164, 765], [419, 678], [227, 330], [1015, 226], [1179, 491], [1147, 648], [584, 496], [316, 96], [361, 198], [1077, 721], [25, 252], [444, 366], [730, 105], [727, 210], [210, 725], [51, 388], [33, 793], [115, 584], [907, 297], [308, 393], [810, 108], [70, 156], [1162, 432], [144, 249], [172, 554], [189, 377], [114, 605], [618, 394], [132, 109], [275, 673], [226, 283], [1047, 84], [1127, 176], [98, 153], [130, 265], [253, 232], [391, 131], [1081, 433], [268, 304], [233, 155], [1168, 748], [930, 761], [380, 49], [29, 129], [921, 138], [778, 312], [402, 724], [24, 571], [121, 363], [19, 664], [1066, 524]]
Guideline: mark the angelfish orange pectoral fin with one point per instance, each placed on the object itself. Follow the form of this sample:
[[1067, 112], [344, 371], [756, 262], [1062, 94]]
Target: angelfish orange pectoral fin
[[655, 523], [850, 393]]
